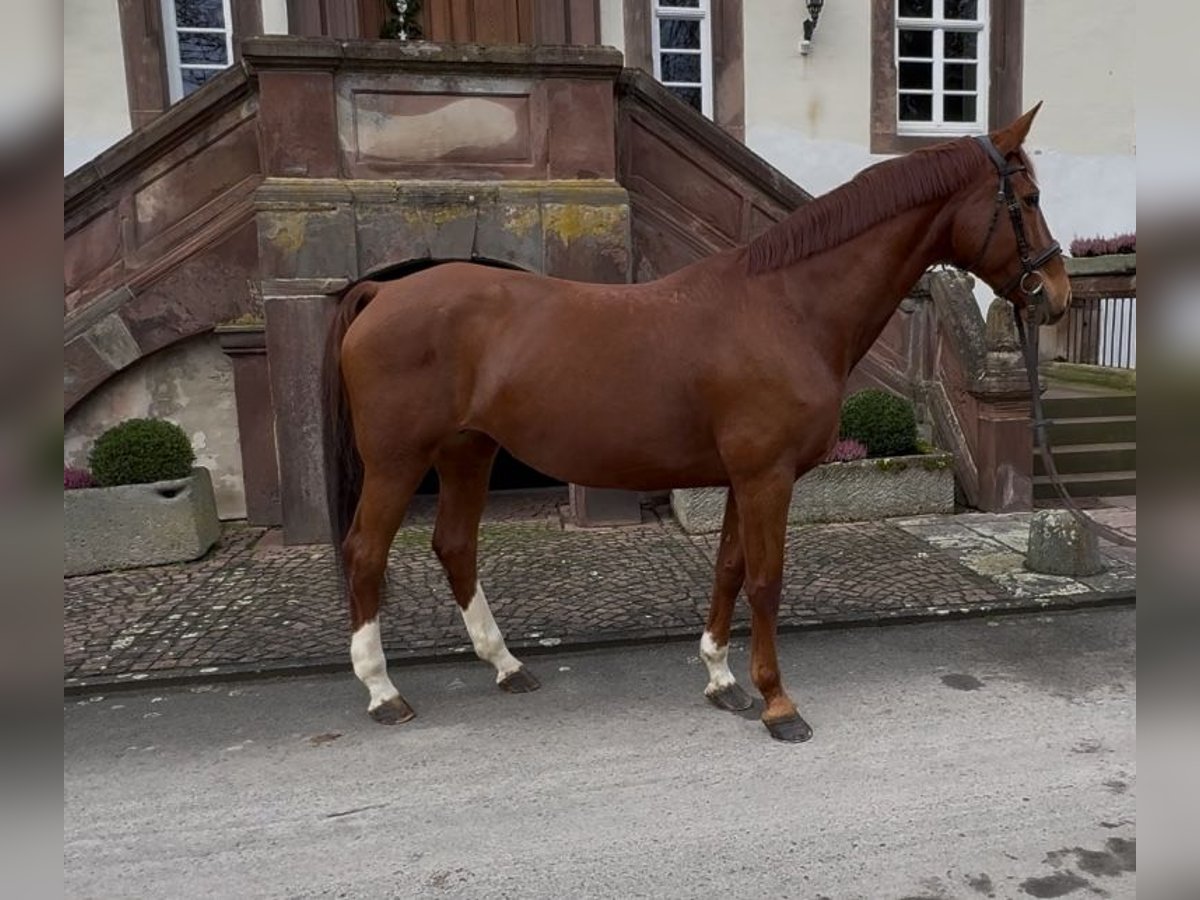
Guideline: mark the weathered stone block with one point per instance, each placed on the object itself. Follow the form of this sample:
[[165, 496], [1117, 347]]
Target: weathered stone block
[[861, 490], [1059, 544], [139, 524]]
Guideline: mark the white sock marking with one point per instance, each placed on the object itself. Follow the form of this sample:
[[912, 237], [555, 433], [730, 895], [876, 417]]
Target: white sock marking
[[486, 637], [370, 665], [717, 660]]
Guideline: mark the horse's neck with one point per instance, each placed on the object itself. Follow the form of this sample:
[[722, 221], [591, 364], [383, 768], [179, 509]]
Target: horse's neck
[[850, 291]]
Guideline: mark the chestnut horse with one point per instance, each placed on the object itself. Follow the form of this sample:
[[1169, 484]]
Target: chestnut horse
[[730, 371]]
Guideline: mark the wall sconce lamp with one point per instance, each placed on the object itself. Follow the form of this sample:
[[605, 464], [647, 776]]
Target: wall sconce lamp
[[810, 24]]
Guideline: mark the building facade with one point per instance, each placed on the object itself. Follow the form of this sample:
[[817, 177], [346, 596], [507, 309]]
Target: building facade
[[162, 245]]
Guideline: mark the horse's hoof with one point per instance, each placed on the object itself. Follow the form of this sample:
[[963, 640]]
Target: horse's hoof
[[392, 712], [730, 698], [793, 731], [519, 681]]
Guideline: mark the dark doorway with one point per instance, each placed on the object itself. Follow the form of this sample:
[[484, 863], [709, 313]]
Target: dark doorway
[[508, 473]]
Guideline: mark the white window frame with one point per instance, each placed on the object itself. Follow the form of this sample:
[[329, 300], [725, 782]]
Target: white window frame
[[171, 31], [939, 25], [701, 13]]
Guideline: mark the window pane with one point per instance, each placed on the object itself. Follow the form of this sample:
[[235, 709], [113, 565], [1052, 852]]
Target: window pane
[[679, 34], [962, 9], [916, 9], [202, 48], [685, 4], [958, 109], [916, 108], [916, 75], [690, 96], [915, 43], [193, 78], [681, 67], [957, 77], [200, 13], [961, 44]]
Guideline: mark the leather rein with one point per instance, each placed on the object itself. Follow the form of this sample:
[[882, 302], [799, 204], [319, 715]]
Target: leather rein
[[1030, 283]]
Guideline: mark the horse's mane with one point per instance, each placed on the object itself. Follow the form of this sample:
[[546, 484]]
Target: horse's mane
[[874, 194]]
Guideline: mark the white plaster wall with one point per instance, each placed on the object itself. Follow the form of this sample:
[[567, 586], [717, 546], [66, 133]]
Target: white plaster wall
[[190, 384], [274, 15], [95, 102], [1079, 59], [612, 23], [823, 96]]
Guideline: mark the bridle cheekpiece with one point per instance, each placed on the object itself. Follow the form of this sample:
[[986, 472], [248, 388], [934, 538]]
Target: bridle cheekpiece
[[1029, 279]]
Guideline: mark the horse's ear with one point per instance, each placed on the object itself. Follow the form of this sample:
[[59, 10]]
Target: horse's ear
[[1012, 137]]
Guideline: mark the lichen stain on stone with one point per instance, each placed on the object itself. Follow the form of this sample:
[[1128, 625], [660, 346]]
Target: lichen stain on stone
[[286, 231], [573, 222], [995, 563], [437, 216], [521, 219]]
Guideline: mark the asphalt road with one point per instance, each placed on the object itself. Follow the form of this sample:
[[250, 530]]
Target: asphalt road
[[951, 760]]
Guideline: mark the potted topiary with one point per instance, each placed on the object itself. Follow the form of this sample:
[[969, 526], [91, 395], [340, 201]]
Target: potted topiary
[[877, 469], [149, 506]]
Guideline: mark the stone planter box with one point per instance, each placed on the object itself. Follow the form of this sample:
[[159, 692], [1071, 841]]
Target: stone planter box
[[856, 491], [139, 524]]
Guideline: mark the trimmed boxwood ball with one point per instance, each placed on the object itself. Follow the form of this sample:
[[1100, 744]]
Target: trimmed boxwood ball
[[884, 422], [139, 451]]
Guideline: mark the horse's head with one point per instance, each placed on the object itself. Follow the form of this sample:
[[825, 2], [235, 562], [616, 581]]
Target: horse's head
[[999, 232]]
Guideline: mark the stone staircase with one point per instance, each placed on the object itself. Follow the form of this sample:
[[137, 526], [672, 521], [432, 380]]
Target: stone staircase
[[1094, 440]]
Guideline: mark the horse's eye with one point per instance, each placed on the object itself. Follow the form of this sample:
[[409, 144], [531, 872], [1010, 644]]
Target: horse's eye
[[1033, 200]]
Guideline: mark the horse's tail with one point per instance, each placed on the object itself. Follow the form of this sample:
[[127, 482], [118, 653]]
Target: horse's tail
[[343, 465]]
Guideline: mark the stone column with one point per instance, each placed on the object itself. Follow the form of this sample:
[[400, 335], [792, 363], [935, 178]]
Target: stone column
[[246, 347], [298, 314]]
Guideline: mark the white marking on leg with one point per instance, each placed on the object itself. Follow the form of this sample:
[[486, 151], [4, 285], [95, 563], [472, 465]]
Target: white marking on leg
[[370, 665], [717, 660], [486, 637]]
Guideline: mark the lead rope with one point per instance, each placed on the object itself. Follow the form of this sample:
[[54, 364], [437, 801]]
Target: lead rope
[[1041, 437]]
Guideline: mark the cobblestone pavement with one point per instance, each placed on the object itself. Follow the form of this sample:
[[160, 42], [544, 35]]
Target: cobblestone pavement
[[254, 606]]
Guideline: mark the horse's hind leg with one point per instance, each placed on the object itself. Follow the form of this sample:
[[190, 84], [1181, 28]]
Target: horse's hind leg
[[723, 690], [381, 508], [464, 465]]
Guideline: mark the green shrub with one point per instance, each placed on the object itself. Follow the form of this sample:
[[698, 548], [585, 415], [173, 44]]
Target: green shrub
[[884, 422], [139, 451]]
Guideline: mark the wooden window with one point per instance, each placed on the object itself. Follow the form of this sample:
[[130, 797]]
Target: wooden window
[[148, 28], [942, 68], [682, 44], [198, 37]]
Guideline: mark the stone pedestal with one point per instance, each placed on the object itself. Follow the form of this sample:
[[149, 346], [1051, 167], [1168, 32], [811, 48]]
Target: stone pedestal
[[599, 506], [1059, 544]]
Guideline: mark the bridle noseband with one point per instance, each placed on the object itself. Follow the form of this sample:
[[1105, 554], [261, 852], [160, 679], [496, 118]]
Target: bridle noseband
[[1006, 196], [1030, 265]]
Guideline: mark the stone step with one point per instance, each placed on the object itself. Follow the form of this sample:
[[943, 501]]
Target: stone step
[[1090, 406], [1093, 430], [1073, 459], [1088, 484]]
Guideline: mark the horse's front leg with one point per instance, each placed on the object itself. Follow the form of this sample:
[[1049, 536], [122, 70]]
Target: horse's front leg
[[763, 507]]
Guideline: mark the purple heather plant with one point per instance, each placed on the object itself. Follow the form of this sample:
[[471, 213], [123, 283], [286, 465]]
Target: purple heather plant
[[74, 479], [1102, 246], [847, 450]]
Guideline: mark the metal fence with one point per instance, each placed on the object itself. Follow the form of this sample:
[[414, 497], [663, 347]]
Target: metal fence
[[1102, 331]]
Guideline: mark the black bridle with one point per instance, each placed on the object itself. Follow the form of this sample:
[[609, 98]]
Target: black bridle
[[1032, 285], [1006, 196]]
